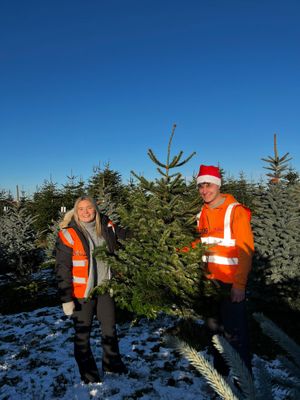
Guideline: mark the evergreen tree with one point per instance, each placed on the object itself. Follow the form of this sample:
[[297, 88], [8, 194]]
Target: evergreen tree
[[151, 274], [6, 200], [45, 205], [18, 242], [107, 188], [276, 227], [51, 240], [73, 189], [241, 189], [105, 181], [292, 176], [277, 165]]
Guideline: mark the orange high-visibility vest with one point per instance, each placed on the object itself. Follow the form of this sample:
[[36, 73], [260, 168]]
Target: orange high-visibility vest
[[222, 254], [80, 261]]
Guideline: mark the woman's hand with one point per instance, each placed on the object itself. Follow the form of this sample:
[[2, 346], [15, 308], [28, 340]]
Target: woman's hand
[[68, 308]]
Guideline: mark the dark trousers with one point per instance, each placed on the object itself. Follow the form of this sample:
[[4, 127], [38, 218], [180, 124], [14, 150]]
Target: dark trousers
[[231, 322], [104, 308]]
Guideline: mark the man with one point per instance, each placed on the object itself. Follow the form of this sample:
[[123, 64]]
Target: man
[[224, 226]]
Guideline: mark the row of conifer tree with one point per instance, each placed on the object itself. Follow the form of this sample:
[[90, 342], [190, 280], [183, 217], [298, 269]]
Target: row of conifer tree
[[150, 274]]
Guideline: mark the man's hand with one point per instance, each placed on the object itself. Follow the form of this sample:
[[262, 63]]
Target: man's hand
[[237, 295]]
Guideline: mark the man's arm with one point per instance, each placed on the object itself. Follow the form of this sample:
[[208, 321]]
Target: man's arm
[[242, 232]]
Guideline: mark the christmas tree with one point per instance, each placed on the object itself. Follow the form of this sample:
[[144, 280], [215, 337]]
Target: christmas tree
[[45, 205], [73, 189], [106, 187], [276, 229], [18, 242], [150, 273]]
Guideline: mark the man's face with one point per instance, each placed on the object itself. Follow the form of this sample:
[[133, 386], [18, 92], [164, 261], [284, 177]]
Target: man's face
[[210, 193]]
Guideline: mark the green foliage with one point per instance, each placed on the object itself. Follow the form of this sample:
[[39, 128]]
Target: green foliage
[[73, 189], [51, 240], [241, 189], [292, 176], [214, 379], [150, 273], [18, 241], [6, 200], [276, 229], [277, 165], [106, 187], [106, 181], [262, 389], [45, 206]]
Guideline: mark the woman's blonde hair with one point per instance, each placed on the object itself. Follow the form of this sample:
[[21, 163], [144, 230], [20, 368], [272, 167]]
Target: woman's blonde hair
[[74, 214]]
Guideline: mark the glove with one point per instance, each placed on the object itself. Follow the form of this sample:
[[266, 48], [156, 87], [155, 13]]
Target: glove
[[68, 308]]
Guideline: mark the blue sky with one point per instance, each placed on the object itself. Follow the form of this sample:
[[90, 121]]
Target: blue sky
[[91, 81]]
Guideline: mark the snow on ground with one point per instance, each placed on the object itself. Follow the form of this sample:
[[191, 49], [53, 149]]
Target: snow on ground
[[37, 363]]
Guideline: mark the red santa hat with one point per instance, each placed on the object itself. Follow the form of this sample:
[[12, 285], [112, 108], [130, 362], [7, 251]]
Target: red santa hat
[[209, 174]]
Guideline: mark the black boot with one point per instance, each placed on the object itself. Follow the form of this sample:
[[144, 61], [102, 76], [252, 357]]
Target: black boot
[[89, 371], [111, 360]]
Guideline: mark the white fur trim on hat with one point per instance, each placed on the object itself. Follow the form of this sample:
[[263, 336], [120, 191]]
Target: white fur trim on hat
[[208, 179]]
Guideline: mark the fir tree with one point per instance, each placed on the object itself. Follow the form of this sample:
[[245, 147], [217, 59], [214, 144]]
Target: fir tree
[[51, 240], [18, 241], [45, 205], [6, 200], [277, 165], [105, 181], [292, 177], [276, 229], [73, 189], [107, 188], [241, 189], [150, 273]]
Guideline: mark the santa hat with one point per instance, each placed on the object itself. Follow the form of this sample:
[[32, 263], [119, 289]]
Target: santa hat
[[209, 174]]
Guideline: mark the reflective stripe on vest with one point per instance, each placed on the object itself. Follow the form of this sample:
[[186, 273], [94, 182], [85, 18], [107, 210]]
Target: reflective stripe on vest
[[66, 237], [80, 261], [223, 260], [77, 279]]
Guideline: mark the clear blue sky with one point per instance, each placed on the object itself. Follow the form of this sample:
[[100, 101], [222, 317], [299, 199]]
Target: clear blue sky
[[89, 81]]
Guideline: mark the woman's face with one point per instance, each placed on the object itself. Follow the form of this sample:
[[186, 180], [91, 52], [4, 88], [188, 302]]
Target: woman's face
[[86, 211]]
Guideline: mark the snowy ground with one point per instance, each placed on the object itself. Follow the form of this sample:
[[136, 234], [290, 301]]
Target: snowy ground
[[36, 362]]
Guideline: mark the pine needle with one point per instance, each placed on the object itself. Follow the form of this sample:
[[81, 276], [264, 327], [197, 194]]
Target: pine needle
[[214, 379], [238, 367]]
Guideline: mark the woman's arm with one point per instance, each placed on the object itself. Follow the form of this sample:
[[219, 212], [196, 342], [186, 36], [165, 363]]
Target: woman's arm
[[63, 269]]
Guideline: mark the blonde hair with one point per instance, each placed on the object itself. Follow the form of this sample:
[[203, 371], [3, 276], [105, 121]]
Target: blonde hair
[[74, 214]]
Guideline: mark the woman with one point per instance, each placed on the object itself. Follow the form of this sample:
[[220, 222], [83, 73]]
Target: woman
[[78, 272]]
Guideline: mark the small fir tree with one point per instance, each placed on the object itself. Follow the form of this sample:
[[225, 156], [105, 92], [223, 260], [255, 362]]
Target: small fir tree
[[106, 187], [277, 165], [6, 200], [241, 189], [45, 205], [73, 189], [18, 241], [150, 273], [277, 237], [105, 181]]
